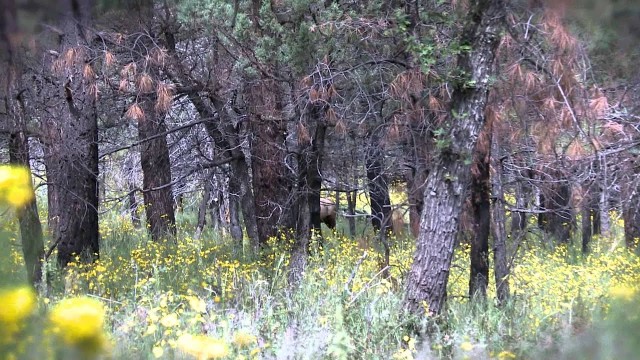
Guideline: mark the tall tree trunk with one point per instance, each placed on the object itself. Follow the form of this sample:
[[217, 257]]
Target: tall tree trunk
[[156, 172], [500, 253], [378, 186], [379, 197], [272, 187], [481, 206], [28, 218], [71, 149], [310, 181], [447, 184]]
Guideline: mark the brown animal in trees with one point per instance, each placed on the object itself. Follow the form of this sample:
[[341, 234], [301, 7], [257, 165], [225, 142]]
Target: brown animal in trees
[[397, 222], [328, 212]]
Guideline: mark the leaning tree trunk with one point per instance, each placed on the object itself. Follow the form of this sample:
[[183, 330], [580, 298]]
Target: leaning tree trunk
[[481, 208], [447, 184], [70, 136]]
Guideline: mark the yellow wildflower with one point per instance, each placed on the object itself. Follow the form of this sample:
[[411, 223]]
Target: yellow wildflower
[[79, 322], [505, 355], [170, 320], [15, 185], [466, 346], [16, 304], [243, 339], [203, 347]]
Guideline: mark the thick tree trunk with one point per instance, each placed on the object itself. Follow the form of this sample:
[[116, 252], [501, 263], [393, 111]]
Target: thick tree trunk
[[156, 172], [28, 218], [447, 184], [310, 181], [500, 260], [272, 187], [71, 149], [481, 206]]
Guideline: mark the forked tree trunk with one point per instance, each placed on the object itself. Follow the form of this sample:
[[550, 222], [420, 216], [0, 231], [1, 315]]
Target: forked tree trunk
[[481, 206], [448, 182]]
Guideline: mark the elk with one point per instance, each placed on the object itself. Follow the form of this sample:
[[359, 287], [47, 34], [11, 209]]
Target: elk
[[328, 212]]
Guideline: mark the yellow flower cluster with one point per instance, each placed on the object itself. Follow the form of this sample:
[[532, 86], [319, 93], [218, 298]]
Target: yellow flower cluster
[[15, 186], [16, 305], [79, 323], [203, 347]]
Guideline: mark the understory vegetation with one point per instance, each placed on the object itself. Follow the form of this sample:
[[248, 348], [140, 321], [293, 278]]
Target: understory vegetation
[[206, 299]]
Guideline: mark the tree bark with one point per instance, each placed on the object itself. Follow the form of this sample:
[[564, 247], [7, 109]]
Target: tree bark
[[272, 187], [501, 265], [447, 184], [28, 218], [481, 208], [310, 181], [156, 173], [71, 150]]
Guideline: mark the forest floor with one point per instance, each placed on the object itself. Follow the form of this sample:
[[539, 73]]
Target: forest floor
[[206, 298]]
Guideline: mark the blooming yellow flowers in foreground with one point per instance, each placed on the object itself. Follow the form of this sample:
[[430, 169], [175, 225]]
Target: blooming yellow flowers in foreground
[[79, 323], [16, 305], [15, 186]]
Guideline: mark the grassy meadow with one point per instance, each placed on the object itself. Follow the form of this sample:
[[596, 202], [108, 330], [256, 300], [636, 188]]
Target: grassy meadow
[[208, 299]]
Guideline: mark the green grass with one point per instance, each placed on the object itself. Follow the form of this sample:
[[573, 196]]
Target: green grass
[[155, 294]]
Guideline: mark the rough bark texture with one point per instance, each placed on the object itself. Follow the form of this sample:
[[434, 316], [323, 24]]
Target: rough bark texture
[[481, 208], [71, 149], [156, 173], [272, 187], [28, 219], [501, 266], [310, 181], [447, 184], [378, 186]]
